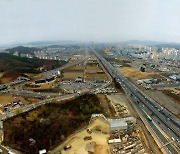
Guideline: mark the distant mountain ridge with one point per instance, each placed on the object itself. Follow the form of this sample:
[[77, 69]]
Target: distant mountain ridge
[[30, 50], [154, 43], [63, 46], [54, 44], [22, 49]]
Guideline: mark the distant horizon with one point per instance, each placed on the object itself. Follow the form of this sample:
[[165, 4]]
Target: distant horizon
[[91, 20], [59, 42]]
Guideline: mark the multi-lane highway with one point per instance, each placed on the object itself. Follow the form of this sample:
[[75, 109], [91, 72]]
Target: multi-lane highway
[[163, 118]]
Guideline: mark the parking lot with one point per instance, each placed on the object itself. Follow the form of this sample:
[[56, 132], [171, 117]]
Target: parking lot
[[71, 87]]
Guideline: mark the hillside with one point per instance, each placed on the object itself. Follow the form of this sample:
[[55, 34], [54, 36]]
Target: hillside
[[49, 125], [21, 49], [14, 65], [64, 46]]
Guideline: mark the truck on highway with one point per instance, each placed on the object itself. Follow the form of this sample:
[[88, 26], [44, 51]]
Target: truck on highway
[[149, 118], [3, 87]]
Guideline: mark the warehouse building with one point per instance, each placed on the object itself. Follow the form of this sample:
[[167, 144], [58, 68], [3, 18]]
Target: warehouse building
[[117, 124], [79, 79]]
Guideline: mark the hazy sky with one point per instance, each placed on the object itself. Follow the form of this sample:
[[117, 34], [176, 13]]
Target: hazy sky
[[89, 20]]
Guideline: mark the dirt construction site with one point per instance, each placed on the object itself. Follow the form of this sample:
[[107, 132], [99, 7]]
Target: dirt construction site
[[95, 137], [131, 72], [92, 139]]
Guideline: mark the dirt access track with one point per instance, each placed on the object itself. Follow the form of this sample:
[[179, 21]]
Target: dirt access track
[[80, 146]]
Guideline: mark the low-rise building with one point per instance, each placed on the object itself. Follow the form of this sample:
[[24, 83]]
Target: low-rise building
[[175, 77], [79, 79], [117, 125]]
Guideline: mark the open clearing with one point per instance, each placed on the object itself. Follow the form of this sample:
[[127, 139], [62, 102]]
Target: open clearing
[[89, 72], [174, 94], [7, 98], [94, 72], [73, 72], [131, 72], [123, 101], [72, 75], [80, 146], [7, 79]]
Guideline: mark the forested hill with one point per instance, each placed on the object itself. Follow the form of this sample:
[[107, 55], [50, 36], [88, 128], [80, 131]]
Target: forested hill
[[26, 65], [21, 49]]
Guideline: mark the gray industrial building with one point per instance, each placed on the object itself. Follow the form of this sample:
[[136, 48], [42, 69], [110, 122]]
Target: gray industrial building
[[117, 124]]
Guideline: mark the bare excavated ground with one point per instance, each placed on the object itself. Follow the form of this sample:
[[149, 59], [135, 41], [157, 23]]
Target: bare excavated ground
[[87, 72], [7, 98], [98, 144], [73, 73], [131, 72], [174, 94], [122, 100], [94, 72]]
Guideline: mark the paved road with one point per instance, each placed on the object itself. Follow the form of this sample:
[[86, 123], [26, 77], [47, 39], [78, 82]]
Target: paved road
[[4, 150], [172, 125], [33, 106], [166, 86]]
